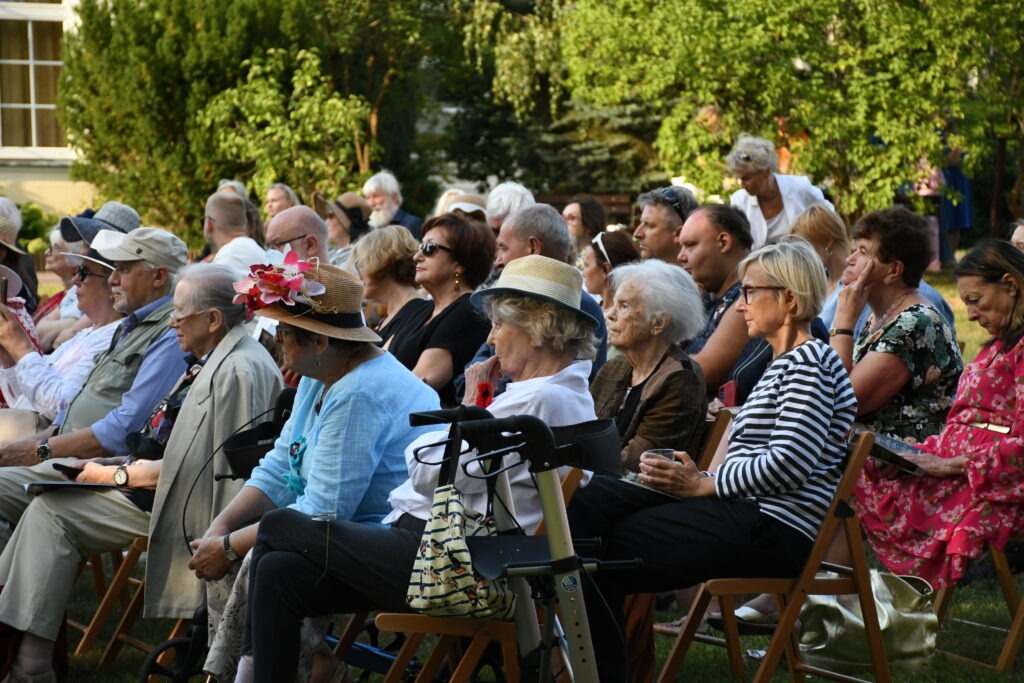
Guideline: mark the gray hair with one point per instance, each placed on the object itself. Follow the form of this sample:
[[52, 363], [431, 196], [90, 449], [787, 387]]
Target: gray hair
[[289, 192], [795, 265], [214, 288], [665, 290], [545, 323], [236, 186], [173, 276], [9, 209], [506, 199], [752, 155], [383, 183], [679, 201], [545, 223]]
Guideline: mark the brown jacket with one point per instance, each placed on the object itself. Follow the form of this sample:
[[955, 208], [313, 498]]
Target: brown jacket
[[672, 409]]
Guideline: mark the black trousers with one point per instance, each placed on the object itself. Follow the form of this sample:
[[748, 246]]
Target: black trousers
[[681, 543], [302, 567]]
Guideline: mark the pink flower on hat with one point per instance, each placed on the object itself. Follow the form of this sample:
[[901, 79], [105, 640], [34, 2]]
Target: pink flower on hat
[[285, 285]]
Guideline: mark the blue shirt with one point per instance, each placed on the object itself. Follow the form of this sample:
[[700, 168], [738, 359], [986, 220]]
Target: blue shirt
[[351, 454], [162, 365]]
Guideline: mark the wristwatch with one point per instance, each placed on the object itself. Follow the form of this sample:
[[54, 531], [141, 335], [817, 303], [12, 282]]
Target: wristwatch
[[229, 552], [836, 331], [121, 475], [43, 451]]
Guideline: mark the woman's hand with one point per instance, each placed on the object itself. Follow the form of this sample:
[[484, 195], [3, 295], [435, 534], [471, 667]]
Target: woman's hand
[[853, 299], [13, 338], [208, 559], [936, 466], [485, 371], [679, 478]]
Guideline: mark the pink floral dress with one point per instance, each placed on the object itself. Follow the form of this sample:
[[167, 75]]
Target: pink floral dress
[[931, 526]]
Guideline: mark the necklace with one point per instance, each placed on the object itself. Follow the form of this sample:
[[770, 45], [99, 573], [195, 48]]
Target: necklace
[[893, 309]]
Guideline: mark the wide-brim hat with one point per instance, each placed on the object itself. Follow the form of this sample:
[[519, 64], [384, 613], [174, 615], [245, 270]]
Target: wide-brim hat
[[337, 313], [152, 245], [350, 200], [9, 234], [92, 256], [14, 283], [111, 216], [543, 278], [469, 204]]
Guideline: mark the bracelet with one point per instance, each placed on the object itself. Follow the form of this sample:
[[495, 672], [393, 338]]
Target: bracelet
[[836, 331]]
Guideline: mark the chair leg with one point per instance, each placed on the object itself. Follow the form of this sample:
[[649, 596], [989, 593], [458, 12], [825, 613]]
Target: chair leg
[[686, 634], [118, 586], [943, 597], [732, 636]]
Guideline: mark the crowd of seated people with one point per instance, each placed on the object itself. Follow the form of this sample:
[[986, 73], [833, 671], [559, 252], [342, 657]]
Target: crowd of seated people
[[505, 303]]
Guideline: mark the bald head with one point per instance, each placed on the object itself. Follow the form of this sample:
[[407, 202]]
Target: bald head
[[301, 229]]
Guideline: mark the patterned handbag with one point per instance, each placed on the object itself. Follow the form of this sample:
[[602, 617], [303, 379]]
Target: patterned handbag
[[443, 581]]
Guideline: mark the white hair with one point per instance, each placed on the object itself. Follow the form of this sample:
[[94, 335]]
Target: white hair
[[9, 209], [383, 183], [508, 198], [235, 186], [668, 290]]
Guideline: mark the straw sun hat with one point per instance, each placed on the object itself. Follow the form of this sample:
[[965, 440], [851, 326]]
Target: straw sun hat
[[316, 297], [543, 278]]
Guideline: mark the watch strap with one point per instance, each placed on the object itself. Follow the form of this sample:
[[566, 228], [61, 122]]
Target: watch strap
[[229, 552], [836, 331], [43, 451]]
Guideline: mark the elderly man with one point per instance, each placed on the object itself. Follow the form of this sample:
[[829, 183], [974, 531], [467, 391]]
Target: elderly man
[[301, 230], [226, 228], [504, 200], [385, 197], [663, 212], [539, 229], [140, 368], [279, 198]]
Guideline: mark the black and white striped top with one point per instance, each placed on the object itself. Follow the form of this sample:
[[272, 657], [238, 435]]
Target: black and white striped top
[[788, 442]]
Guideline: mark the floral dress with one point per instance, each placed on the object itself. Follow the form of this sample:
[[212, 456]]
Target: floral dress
[[922, 339], [931, 526]]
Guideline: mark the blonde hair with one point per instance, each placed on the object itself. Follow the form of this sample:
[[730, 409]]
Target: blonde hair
[[752, 155], [387, 252], [820, 225], [795, 265], [546, 323]]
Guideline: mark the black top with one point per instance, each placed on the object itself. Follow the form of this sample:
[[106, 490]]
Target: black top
[[408, 319]]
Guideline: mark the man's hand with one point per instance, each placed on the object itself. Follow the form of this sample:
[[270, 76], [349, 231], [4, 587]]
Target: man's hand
[[19, 453], [208, 559], [95, 473]]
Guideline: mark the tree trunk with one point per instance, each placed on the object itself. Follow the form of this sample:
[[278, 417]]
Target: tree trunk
[[998, 180]]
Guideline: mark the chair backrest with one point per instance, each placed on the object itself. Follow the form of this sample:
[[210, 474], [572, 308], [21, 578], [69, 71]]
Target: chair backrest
[[713, 436]]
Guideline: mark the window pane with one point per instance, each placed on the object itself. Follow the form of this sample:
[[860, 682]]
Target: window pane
[[46, 36], [48, 131], [16, 127], [14, 84], [46, 84], [13, 40]]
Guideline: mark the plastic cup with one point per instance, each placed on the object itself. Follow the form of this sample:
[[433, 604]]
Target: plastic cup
[[659, 454]]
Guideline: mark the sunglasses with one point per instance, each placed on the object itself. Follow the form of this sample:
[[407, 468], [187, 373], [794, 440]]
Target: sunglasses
[[669, 195], [600, 247], [429, 248], [742, 156], [747, 289], [83, 274]]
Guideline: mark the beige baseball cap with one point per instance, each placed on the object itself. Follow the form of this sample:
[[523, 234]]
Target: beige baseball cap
[[152, 245]]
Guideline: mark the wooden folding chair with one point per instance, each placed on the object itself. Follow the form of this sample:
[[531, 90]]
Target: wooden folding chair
[[714, 432], [791, 594], [1015, 634], [452, 632]]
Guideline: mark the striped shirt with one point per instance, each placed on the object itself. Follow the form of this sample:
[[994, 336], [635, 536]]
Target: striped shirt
[[788, 442]]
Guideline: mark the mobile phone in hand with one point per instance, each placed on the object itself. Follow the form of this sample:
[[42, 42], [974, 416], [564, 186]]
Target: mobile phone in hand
[[67, 470]]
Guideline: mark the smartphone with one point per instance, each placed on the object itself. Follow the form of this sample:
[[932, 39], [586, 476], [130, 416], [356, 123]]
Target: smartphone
[[3, 290], [727, 393], [67, 470]]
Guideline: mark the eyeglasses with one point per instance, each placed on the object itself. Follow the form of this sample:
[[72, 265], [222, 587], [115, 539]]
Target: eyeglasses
[[742, 156], [83, 274], [178, 318], [669, 195], [600, 246], [278, 245], [747, 289], [429, 248]]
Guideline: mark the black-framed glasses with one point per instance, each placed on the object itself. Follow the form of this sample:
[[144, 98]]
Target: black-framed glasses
[[669, 195], [430, 248], [600, 245], [747, 289], [83, 273], [278, 245]]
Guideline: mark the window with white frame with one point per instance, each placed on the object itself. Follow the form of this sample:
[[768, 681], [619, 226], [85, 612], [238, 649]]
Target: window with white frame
[[30, 64]]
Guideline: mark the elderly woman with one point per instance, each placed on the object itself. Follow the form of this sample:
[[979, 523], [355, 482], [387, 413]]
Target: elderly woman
[[653, 391], [545, 342], [972, 492], [607, 250], [59, 317], [770, 200], [346, 219], [760, 505], [232, 381], [438, 341], [383, 260], [905, 364], [45, 385], [342, 449]]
